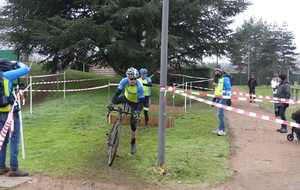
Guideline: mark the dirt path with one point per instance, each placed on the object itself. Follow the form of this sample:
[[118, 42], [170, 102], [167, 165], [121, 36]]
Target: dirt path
[[262, 159]]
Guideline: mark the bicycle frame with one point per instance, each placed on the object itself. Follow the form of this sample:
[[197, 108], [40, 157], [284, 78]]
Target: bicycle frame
[[114, 135]]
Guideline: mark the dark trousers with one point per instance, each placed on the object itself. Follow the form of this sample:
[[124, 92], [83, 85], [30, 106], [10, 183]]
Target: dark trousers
[[281, 111], [251, 91], [133, 107], [146, 108]]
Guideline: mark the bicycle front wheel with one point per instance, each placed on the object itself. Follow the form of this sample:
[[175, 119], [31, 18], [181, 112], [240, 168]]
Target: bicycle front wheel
[[113, 143]]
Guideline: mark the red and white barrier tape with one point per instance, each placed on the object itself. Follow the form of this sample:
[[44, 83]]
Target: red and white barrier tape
[[69, 90], [235, 98], [38, 76], [113, 84], [21, 95], [283, 100], [73, 90], [79, 80], [240, 111], [9, 124]]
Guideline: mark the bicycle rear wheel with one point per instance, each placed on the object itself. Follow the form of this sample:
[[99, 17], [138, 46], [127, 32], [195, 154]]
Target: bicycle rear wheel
[[113, 142]]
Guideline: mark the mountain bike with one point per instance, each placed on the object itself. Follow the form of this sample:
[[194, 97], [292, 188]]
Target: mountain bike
[[114, 135]]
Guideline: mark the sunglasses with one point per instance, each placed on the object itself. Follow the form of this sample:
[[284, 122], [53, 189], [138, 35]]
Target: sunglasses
[[132, 78]]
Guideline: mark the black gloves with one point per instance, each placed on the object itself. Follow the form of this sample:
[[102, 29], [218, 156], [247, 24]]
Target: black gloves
[[214, 100], [228, 103], [110, 107], [136, 114]]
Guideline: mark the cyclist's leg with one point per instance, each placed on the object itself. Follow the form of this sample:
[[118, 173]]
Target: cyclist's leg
[[146, 110], [133, 107], [121, 99]]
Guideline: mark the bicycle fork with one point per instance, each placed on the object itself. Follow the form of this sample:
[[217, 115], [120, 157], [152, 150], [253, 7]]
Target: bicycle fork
[[111, 137]]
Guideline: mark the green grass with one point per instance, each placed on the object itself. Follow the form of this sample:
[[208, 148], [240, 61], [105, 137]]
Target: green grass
[[66, 137]]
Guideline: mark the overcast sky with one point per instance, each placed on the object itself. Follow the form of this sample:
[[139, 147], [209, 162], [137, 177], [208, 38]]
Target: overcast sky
[[278, 11]]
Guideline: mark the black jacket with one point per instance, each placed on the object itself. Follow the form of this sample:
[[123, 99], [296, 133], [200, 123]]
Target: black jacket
[[283, 91], [252, 83]]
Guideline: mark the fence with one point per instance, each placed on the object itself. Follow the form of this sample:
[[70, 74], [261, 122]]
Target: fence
[[294, 93]]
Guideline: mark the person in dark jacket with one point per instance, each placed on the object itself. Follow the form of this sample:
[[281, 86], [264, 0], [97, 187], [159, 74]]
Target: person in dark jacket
[[283, 91], [252, 83]]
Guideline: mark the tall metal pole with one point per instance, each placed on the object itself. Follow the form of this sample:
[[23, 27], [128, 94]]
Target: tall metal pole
[[30, 94], [288, 73], [248, 67], [163, 83], [185, 97], [65, 85]]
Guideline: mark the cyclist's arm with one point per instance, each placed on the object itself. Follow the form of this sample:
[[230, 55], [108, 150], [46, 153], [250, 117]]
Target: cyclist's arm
[[116, 95], [148, 84], [140, 95], [227, 86], [120, 88]]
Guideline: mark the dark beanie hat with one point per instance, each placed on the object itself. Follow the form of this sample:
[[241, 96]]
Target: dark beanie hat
[[282, 77], [217, 68], [5, 64]]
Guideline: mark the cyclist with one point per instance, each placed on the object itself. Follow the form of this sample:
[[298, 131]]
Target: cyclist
[[134, 96], [147, 83]]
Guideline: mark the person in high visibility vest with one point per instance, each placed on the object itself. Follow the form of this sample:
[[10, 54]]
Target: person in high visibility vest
[[222, 88], [11, 70], [147, 83]]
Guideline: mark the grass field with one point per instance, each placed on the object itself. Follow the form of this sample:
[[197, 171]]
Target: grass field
[[66, 137]]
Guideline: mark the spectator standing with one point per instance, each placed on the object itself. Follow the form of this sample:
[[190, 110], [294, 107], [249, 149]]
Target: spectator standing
[[11, 70], [252, 83], [147, 83], [222, 88], [283, 91], [274, 85]]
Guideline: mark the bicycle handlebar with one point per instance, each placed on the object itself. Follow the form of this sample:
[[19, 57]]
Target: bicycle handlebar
[[120, 110]]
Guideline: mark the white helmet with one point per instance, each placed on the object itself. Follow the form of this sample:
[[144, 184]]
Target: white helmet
[[132, 73]]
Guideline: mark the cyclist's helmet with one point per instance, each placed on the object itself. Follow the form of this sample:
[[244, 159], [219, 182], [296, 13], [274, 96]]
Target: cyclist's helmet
[[143, 70], [132, 73]]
